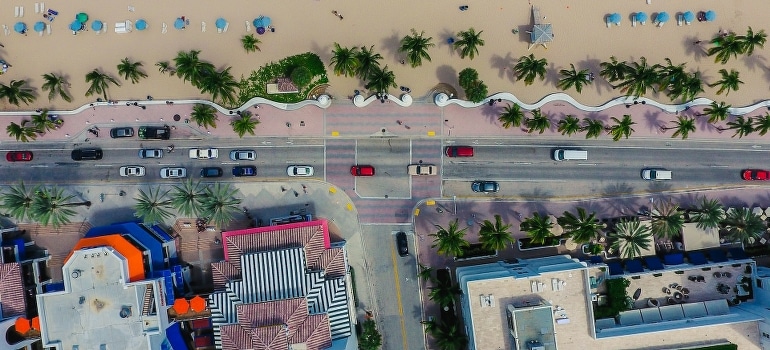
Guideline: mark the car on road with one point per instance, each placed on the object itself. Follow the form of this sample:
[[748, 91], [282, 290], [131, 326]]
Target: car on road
[[485, 186], [204, 153], [656, 174], [755, 175], [244, 170], [422, 169], [459, 151], [299, 170], [87, 154], [117, 133], [401, 244], [155, 132], [146, 153], [243, 154], [211, 172], [132, 170], [173, 173], [362, 170], [18, 156]]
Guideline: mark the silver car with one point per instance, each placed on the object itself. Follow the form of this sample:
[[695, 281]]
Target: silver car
[[131, 170], [146, 153], [299, 170], [243, 154], [173, 173]]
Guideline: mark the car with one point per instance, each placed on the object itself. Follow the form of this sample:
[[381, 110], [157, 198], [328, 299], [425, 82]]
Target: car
[[656, 174], [401, 244], [204, 153], [422, 169], [117, 133], [244, 170], [173, 173], [485, 186], [299, 170], [87, 154], [362, 170], [18, 156], [459, 151], [146, 153], [155, 132], [132, 170], [756, 175], [211, 172], [243, 154]]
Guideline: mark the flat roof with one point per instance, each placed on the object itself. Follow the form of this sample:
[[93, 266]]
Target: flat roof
[[127, 250], [694, 238]]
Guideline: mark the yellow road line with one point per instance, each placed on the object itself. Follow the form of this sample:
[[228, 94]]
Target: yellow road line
[[398, 293]]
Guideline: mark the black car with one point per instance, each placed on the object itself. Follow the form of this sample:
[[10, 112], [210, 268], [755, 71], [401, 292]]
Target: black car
[[121, 132], [485, 186], [211, 172], [155, 132], [245, 170], [87, 154], [401, 244]]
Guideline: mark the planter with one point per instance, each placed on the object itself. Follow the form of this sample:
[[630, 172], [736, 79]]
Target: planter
[[653, 302]]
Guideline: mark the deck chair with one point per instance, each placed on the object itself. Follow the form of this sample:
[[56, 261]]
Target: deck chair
[[16, 11], [248, 26], [37, 7], [203, 27], [227, 25], [164, 28], [21, 11]]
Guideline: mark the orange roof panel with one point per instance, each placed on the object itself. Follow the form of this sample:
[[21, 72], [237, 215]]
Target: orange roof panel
[[124, 247]]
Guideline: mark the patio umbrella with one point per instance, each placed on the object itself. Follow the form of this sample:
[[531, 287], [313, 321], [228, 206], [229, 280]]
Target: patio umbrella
[[20, 27], [39, 26], [615, 18], [181, 306], [661, 18], [260, 30], [266, 21], [641, 17], [76, 25], [197, 303], [22, 325], [257, 22], [711, 15], [179, 23], [688, 17], [82, 17], [96, 25], [141, 24], [36, 323], [220, 23]]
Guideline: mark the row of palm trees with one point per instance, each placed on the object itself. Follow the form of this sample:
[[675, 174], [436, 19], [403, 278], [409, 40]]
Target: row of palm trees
[[29, 130], [206, 116], [42, 204], [217, 203], [447, 334], [363, 63]]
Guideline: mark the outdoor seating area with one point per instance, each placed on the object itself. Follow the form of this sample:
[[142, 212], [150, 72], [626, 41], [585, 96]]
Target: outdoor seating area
[[660, 18]]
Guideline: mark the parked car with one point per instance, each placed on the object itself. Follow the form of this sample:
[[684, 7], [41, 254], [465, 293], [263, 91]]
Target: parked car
[[132, 170], [756, 175], [117, 133], [145, 153], [211, 172], [459, 151], [656, 174], [485, 186], [87, 154], [401, 244], [204, 153], [422, 169], [243, 154], [18, 156], [173, 173], [244, 170], [155, 132], [362, 170], [299, 170]]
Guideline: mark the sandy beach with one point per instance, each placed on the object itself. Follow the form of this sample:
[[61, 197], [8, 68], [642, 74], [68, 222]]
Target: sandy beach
[[581, 37]]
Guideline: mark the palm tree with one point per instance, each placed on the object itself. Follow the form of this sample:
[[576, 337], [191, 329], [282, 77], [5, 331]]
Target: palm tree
[[131, 70], [344, 60], [204, 115], [666, 219], [55, 85], [726, 46], [639, 77], [729, 81], [572, 77], [368, 62], [425, 272], [190, 67], [17, 201], [220, 85], [21, 132], [752, 40], [512, 115], [709, 214], [742, 225], [469, 43], [538, 228], [416, 48], [630, 237], [539, 122], [742, 126], [622, 128], [593, 127], [444, 293], [17, 91], [683, 125], [717, 112], [495, 235], [52, 206], [671, 75], [220, 203], [449, 336], [687, 89], [569, 125], [528, 67], [153, 206], [186, 198], [99, 83], [762, 124], [42, 123], [581, 228], [613, 70], [244, 124], [250, 43], [381, 80], [165, 67], [449, 241]]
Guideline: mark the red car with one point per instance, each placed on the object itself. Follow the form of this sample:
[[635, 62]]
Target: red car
[[756, 174], [18, 156], [362, 170], [459, 151]]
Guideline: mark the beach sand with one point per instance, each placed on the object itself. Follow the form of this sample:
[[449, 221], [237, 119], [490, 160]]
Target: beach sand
[[581, 37]]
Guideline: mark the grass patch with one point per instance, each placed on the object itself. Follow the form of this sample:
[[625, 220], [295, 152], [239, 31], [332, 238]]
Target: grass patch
[[355, 293], [256, 84], [526, 243], [475, 251]]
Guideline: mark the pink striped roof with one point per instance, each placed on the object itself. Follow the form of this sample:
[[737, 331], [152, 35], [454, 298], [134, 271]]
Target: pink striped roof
[[332, 261], [312, 235], [223, 271], [12, 300]]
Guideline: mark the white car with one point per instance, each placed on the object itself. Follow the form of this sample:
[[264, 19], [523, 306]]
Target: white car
[[132, 170], [173, 173], [243, 154], [299, 170], [422, 169], [204, 153]]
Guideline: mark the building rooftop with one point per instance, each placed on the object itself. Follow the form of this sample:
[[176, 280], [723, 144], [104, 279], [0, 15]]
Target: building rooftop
[[694, 238], [12, 302]]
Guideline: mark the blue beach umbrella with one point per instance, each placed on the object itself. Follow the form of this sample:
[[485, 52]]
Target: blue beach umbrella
[[96, 25], [662, 17], [614, 18], [257, 22], [179, 23], [76, 25], [20, 27], [641, 16], [39, 26], [688, 16], [220, 23], [711, 15], [266, 21], [141, 24]]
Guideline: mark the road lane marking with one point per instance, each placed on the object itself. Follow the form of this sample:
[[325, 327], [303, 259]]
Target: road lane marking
[[398, 293]]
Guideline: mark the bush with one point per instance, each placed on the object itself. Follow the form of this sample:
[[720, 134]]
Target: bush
[[477, 91], [617, 299], [475, 251], [301, 76], [467, 77], [256, 84], [370, 339]]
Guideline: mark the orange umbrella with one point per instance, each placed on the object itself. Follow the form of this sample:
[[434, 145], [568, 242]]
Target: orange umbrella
[[181, 306], [22, 325], [36, 323], [197, 303]]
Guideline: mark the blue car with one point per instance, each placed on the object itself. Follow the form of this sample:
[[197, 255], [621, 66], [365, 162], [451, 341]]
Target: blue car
[[244, 170]]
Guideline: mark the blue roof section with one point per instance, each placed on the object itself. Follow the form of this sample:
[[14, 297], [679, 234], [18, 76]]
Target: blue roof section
[[615, 268], [174, 337], [673, 259], [595, 259], [162, 233], [178, 279], [717, 255], [697, 258], [634, 266], [148, 240], [737, 253], [168, 284], [54, 287], [653, 263]]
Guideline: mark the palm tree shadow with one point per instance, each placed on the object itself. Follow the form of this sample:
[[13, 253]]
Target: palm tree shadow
[[755, 62], [443, 38], [653, 121], [551, 75], [704, 125], [390, 45], [492, 112], [504, 66], [593, 205], [448, 75], [659, 187], [536, 194], [697, 51], [594, 66], [325, 52]]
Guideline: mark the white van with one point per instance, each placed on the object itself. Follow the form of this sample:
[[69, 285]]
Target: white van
[[656, 174], [569, 154]]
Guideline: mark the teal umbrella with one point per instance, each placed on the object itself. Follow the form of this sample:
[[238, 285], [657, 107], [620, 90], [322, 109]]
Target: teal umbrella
[[39, 26], [82, 17]]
